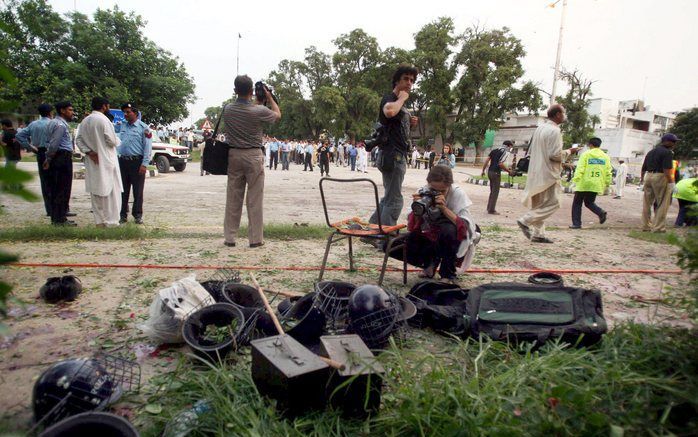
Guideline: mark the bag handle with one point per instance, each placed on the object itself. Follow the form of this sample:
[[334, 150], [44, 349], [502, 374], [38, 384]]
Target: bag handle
[[218, 122]]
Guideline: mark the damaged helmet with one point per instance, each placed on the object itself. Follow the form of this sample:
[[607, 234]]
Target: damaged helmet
[[374, 314], [73, 386]]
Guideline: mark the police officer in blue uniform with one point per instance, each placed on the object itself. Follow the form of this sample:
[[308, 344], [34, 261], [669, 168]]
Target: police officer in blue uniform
[[134, 157]]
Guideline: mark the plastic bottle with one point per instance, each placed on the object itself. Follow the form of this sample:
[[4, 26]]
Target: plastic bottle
[[185, 422]]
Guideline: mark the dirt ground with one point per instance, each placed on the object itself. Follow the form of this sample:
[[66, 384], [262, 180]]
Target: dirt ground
[[104, 317]]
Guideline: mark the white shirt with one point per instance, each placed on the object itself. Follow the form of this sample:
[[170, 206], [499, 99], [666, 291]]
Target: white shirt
[[97, 135], [546, 156]]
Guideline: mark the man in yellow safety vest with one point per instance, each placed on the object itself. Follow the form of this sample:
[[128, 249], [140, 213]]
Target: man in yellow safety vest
[[591, 177]]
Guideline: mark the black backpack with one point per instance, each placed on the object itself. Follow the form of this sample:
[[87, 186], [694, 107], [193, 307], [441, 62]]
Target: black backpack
[[522, 164], [440, 306], [527, 312]]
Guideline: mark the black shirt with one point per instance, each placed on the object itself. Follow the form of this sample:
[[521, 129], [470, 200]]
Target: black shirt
[[324, 153], [658, 159], [12, 148], [496, 156], [398, 126]]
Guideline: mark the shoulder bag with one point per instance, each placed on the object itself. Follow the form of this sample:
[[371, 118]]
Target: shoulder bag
[[215, 157]]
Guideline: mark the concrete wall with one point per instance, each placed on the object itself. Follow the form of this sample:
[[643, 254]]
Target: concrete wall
[[626, 143]]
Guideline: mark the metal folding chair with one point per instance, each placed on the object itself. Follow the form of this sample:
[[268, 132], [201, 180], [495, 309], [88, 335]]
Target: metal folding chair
[[378, 232]]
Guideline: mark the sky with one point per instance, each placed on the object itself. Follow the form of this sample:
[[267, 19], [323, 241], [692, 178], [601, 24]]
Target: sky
[[631, 48]]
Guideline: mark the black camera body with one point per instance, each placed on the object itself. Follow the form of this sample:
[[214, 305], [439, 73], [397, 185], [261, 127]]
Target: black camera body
[[260, 92], [425, 206], [378, 138]]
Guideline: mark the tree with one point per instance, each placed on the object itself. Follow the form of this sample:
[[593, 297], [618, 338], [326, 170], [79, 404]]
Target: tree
[[57, 58], [686, 128], [433, 48], [485, 92], [579, 127], [331, 110]]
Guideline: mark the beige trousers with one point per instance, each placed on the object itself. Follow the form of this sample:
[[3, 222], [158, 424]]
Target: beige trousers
[[543, 205], [245, 170], [106, 208], [656, 188]]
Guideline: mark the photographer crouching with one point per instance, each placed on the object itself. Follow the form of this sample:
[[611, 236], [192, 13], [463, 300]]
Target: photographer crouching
[[442, 233]]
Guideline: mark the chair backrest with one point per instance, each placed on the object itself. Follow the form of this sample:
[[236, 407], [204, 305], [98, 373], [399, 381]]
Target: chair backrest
[[357, 180]]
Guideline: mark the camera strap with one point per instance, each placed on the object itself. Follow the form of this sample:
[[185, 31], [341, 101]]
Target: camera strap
[[218, 122]]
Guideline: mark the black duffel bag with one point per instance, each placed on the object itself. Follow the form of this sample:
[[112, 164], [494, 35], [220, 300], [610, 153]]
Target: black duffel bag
[[215, 157]]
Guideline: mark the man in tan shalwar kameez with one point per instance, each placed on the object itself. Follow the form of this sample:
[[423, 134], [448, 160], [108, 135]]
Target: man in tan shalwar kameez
[[543, 188], [96, 139]]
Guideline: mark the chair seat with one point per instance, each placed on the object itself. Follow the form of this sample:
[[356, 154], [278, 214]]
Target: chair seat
[[367, 229]]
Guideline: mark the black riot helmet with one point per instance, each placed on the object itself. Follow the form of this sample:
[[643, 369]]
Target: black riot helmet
[[373, 314], [78, 385]]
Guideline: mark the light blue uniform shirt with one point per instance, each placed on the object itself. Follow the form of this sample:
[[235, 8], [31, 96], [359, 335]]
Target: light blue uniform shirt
[[136, 140], [309, 149], [274, 146], [36, 134], [59, 138]]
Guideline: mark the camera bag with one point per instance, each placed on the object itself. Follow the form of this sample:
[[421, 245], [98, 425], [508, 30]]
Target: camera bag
[[522, 164], [528, 312], [440, 306], [215, 157]]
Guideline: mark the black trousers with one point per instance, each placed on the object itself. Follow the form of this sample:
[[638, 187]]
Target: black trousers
[[495, 178], [589, 200], [683, 216], [423, 252], [324, 166], [60, 176], [131, 179], [44, 179], [273, 159], [308, 162]]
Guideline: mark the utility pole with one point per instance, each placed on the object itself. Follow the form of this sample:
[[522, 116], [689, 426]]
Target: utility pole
[[559, 48], [237, 73]]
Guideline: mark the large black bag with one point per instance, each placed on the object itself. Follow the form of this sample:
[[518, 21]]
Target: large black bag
[[215, 157], [527, 312], [522, 164], [440, 306]]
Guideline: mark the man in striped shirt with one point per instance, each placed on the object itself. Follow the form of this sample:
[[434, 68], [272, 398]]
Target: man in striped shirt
[[243, 132]]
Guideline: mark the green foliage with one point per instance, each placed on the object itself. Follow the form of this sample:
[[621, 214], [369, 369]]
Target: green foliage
[[686, 127], [640, 380], [75, 58], [579, 127], [491, 65]]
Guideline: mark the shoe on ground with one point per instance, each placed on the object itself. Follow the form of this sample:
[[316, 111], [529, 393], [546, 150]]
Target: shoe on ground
[[616, 197], [525, 229], [603, 217], [70, 214], [493, 213], [122, 220], [541, 240], [139, 221], [229, 244], [260, 244], [575, 227]]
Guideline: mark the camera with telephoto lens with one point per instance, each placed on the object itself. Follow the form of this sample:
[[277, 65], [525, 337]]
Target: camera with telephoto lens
[[425, 206], [378, 138], [259, 92]]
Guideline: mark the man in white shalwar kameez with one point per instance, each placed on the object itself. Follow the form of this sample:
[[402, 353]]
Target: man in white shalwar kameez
[[362, 161], [542, 191], [97, 139], [621, 176]]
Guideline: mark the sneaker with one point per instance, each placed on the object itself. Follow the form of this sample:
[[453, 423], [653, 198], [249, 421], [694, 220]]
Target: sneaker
[[575, 227], [541, 240], [525, 229], [603, 217]]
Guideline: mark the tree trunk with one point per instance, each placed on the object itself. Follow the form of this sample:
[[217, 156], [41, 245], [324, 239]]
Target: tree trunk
[[478, 152]]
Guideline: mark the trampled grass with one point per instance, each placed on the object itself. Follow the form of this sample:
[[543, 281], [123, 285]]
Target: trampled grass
[[640, 381]]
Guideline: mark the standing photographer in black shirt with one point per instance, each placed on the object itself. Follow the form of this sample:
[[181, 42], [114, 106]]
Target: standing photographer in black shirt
[[657, 177], [392, 161]]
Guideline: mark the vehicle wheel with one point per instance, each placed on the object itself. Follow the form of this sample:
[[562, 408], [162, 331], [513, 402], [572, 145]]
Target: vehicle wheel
[[180, 167], [162, 164]]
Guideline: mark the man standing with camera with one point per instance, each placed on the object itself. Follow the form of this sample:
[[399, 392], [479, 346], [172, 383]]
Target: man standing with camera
[[243, 132], [542, 191], [497, 162], [393, 155]]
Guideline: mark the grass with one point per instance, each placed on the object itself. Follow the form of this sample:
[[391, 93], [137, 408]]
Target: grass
[[640, 381], [653, 237], [45, 232]]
